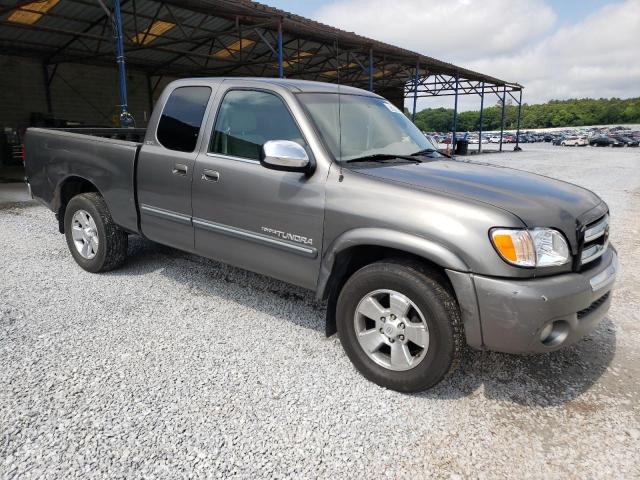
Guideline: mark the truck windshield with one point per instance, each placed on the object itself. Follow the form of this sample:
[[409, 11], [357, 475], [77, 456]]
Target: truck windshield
[[360, 126]]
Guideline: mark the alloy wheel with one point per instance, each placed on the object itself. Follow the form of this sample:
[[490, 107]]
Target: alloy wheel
[[391, 330]]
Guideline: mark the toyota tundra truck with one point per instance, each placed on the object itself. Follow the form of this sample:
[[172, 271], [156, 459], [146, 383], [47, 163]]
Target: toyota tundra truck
[[418, 256]]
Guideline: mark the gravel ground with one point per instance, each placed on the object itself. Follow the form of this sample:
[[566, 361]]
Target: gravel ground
[[177, 366]]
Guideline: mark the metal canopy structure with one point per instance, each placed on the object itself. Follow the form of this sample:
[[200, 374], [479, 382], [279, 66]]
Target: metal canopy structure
[[179, 38]]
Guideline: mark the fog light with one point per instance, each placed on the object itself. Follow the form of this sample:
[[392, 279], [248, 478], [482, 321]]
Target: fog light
[[546, 331], [554, 333]]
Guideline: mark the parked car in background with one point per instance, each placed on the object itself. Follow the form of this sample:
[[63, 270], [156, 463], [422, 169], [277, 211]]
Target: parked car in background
[[574, 142], [433, 140], [600, 141], [626, 141], [616, 142], [557, 140]]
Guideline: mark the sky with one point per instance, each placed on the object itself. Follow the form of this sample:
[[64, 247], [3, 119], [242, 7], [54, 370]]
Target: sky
[[557, 49]]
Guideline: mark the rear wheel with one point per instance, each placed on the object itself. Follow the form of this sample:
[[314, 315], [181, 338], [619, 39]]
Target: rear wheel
[[96, 243], [400, 326]]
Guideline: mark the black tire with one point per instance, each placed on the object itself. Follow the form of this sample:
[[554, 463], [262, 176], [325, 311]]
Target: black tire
[[112, 240], [427, 290]]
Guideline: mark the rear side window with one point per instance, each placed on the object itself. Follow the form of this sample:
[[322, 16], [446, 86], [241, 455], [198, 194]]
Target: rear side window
[[247, 119], [182, 117]]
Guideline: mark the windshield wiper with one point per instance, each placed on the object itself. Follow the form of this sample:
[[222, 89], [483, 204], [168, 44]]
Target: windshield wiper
[[426, 151], [380, 157]]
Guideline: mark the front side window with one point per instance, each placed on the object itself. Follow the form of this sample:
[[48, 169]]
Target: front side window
[[247, 120], [182, 117]]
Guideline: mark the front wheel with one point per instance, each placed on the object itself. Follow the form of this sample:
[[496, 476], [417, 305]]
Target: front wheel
[[96, 243], [400, 325]]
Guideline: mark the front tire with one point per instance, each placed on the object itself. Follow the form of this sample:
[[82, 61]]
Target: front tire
[[96, 243], [400, 325]]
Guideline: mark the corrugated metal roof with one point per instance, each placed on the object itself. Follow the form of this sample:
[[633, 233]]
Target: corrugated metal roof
[[80, 31]]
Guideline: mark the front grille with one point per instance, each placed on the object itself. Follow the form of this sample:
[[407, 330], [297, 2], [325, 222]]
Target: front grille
[[594, 306], [595, 240]]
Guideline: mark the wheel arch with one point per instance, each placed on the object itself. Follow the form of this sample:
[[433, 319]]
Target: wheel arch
[[68, 188], [357, 248]]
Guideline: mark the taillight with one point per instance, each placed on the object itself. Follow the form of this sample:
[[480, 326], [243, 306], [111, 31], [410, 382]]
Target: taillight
[[23, 153]]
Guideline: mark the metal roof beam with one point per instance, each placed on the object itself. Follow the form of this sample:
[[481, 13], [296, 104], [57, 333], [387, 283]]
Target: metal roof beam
[[86, 30]]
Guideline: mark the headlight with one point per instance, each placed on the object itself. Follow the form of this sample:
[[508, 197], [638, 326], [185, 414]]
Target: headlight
[[539, 247]]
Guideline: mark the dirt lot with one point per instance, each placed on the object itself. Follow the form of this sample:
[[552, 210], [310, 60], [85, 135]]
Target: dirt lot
[[179, 366]]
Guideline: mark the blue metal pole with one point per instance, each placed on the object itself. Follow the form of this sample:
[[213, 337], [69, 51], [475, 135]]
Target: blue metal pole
[[125, 116], [280, 61], [455, 119], [481, 118], [371, 69], [415, 90], [504, 100]]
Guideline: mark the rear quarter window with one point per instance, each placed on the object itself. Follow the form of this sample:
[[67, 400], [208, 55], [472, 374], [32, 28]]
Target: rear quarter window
[[181, 118]]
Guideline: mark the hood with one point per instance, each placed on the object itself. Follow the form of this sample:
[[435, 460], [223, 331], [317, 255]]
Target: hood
[[538, 201]]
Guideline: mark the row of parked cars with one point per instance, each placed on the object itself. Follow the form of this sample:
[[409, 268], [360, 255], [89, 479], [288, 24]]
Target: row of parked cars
[[597, 140], [592, 136], [474, 138]]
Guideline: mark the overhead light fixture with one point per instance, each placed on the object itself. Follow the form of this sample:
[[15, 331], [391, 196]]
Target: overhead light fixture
[[31, 12], [153, 31]]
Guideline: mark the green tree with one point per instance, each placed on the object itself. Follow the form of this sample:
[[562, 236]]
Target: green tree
[[555, 113]]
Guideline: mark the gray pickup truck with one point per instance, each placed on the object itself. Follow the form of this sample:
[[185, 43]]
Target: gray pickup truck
[[333, 189]]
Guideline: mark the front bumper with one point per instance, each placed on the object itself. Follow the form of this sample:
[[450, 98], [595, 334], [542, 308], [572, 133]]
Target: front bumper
[[515, 315]]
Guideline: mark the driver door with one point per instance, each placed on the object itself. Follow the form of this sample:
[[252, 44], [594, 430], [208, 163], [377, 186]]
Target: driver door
[[244, 214]]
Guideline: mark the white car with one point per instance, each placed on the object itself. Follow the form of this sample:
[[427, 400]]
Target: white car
[[574, 142]]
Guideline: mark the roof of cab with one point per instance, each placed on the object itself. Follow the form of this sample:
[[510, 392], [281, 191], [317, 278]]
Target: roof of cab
[[296, 86]]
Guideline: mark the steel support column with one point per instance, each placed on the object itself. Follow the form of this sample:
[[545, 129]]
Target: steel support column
[[125, 117], [371, 69], [504, 100], [518, 123], [481, 118], [280, 59], [455, 119], [416, 78]]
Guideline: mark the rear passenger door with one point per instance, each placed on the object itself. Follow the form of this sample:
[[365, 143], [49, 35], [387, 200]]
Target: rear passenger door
[[244, 214], [165, 166]]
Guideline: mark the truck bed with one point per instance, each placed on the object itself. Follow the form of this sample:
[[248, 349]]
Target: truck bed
[[104, 156]]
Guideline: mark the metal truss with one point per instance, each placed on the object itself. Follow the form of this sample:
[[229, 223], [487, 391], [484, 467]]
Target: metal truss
[[438, 85]]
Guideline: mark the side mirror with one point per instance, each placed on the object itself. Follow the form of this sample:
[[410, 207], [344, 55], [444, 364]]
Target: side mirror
[[284, 155]]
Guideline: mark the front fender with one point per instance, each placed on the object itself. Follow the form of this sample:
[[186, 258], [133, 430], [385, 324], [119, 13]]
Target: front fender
[[382, 237]]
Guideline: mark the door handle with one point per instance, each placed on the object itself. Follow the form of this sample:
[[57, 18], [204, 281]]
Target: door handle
[[210, 175], [179, 169]]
